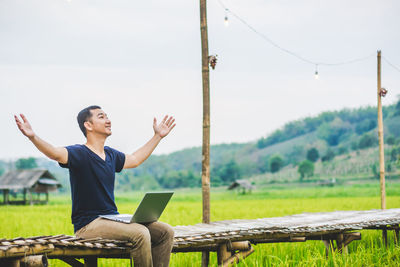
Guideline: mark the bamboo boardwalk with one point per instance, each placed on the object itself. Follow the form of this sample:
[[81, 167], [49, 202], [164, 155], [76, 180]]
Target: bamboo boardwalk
[[305, 224], [231, 239]]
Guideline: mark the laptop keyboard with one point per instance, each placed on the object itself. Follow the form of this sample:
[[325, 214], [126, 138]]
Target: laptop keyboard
[[125, 217]]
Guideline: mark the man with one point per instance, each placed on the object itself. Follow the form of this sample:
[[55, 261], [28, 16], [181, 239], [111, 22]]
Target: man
[[92, 168]]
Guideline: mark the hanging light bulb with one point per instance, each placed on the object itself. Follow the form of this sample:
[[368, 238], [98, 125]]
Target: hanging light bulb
[[316, 72], [226, 21]]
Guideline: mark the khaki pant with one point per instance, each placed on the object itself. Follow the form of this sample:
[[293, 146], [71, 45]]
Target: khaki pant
[[152, 242]]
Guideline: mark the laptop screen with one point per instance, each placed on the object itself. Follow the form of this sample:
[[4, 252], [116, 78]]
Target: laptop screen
[[151, 207]]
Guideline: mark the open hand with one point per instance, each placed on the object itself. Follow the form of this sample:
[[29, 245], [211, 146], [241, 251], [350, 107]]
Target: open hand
[[24, 126], [164, 127]]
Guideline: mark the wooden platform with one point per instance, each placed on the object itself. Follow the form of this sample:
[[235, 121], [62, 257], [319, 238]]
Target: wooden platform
[[230, 239]]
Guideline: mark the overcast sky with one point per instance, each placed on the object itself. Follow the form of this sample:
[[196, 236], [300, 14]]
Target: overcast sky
[[140, 59]]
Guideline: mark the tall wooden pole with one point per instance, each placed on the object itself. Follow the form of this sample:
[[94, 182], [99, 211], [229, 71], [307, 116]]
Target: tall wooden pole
[[380, 135], [205, 169]]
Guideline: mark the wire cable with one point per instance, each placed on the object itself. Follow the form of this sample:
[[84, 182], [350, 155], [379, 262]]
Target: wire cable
[[273, 43], [393, 66]]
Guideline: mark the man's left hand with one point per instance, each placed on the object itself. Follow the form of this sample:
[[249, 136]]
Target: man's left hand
[[164, 127]]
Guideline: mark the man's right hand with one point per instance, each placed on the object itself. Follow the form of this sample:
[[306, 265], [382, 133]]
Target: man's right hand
[[59, 154], [24, 126]]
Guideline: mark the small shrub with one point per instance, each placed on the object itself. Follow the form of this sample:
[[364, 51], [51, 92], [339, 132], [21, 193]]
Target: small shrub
[[275, 163], [306, 169], [312, 154], [367, 140]]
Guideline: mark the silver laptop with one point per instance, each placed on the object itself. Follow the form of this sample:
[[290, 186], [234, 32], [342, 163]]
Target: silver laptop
[[149, 209]]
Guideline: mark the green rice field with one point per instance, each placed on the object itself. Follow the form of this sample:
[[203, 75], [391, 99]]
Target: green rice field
[[185, 208]]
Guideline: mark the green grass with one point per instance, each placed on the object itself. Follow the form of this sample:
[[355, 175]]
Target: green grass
[[185, 208]]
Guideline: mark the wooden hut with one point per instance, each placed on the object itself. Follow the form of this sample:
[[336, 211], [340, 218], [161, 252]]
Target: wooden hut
[[328, 182], [32, 182], [241, 186]]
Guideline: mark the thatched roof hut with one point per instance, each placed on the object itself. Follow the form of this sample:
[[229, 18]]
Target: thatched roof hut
[[27, 181], [241, 186]]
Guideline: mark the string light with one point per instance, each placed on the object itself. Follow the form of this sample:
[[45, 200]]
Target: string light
[[226, 21], [266, 38]]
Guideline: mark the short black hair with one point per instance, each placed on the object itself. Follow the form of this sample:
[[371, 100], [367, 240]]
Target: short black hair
[[85, 115]]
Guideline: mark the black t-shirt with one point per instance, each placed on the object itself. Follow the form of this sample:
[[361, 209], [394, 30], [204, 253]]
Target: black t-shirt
[[92, 182]]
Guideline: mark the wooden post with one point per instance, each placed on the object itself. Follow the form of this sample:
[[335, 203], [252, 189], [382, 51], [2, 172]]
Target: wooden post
[[6, 197], [380, 136], [339, 243], [34, 261], [329, 247], [385, 237], [24, 196], [90, 262], [30, 197], [223, 254], [205, 170], [350, 237], [10, 262]]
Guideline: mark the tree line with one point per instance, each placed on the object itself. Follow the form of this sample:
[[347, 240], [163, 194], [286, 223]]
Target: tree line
[[299, 143]]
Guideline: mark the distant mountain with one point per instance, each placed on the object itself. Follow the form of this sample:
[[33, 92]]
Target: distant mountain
[[332, 136]]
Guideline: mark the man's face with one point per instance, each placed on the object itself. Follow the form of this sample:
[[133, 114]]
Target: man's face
[[99, 122]]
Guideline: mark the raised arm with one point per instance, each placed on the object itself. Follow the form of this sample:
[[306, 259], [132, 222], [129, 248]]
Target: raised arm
[[160, 131], [59, 154]]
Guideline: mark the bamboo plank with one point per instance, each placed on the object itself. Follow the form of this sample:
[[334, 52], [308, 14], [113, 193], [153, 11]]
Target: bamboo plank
[[281, 240], [16, 251], [16, 238], [242, 245], [211, 247], [82, 252]]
